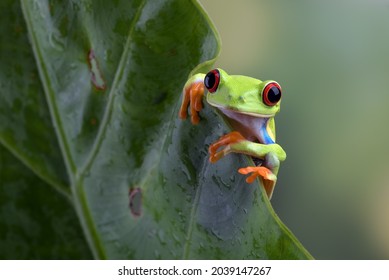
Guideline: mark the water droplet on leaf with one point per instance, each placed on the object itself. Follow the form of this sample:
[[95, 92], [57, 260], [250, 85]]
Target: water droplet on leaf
[[161, 237], [56, 41]]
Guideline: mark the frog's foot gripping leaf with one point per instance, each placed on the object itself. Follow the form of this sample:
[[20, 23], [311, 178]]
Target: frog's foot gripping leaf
[[192, 96], [268, 178], [226, 140]]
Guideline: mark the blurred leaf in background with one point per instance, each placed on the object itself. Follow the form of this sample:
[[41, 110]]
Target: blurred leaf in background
[[332, 60], [92, 149]]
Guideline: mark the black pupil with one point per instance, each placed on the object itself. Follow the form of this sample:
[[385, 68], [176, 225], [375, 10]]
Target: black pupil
[[274, 94], [210, 80]]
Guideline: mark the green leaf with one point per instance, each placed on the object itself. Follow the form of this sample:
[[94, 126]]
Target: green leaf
[[36, 221], [25, 121], [99, 123]]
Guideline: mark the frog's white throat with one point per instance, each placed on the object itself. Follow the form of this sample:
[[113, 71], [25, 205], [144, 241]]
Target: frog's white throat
[[252, 126]]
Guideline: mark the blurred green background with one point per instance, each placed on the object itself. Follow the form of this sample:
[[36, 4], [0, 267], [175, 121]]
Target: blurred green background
[[332, 60]]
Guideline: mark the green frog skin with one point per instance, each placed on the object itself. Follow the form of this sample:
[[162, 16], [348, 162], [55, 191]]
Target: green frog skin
[[249, 105]]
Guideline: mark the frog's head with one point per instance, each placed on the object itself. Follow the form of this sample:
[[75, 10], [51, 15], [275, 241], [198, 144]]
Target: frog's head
[[243, 94]]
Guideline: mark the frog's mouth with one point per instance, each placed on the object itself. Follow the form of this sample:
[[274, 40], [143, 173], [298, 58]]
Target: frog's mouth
[[254, 127]]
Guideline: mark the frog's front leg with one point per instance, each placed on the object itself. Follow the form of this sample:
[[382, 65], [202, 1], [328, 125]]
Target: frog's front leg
[[193, 93], [272, 154]]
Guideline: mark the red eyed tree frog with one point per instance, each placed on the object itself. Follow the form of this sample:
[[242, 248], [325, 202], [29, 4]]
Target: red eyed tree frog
[[249, 106]]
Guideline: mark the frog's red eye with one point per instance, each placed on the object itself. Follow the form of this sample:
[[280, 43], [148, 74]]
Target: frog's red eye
[[271, 94], [211, 80]]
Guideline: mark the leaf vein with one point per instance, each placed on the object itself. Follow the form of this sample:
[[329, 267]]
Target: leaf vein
[[116, 84]]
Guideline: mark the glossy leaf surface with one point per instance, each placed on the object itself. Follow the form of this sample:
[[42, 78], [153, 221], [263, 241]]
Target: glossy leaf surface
[[36, 221], [106, 99]]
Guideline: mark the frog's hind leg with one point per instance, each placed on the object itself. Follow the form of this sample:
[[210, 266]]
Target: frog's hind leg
[[268, 177]]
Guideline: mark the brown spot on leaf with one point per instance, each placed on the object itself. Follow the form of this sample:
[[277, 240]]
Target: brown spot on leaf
[[135, 197], [96, 75], [93, 121]]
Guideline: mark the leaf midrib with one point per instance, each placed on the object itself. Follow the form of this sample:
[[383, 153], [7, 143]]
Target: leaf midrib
[[49, 93], [115, 85], [78, 192]]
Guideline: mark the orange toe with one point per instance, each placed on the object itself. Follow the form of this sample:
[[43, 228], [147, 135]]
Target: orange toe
[[268, 178], [259, 170], [225, 140], [192, 98]]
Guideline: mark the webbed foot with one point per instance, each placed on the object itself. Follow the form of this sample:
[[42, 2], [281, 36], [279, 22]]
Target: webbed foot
[[192, 97], [268, 178]]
